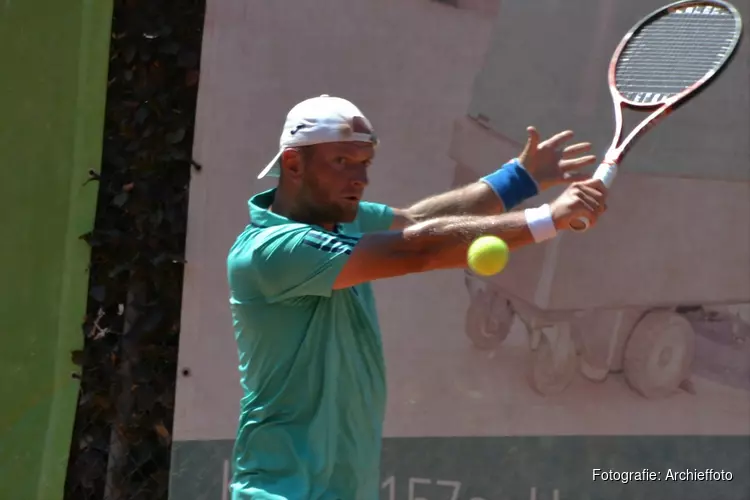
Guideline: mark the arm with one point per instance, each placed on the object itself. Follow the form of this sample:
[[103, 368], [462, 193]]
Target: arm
[[298, 260], [494, 194], [303, 261], [476, 198], [439, 243], [442, 242], [539, 166]]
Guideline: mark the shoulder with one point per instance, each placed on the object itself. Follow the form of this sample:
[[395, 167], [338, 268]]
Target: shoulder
[[372, 210], [260, 253], [283, 262], [371, 217], [256, 240], [276, 248]]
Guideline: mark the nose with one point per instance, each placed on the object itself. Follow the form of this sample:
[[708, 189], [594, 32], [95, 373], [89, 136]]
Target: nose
[[360, 178]]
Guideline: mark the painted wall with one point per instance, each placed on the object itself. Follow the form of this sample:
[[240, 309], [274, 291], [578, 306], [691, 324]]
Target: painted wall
[[625, 347], [52, 92]]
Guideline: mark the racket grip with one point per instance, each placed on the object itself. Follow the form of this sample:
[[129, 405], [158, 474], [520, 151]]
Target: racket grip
[[605, 172]]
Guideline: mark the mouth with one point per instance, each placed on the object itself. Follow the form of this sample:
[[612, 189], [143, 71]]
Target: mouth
[[353, 199]]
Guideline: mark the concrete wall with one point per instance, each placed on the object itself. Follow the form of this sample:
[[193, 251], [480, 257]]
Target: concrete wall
[[584, 336]]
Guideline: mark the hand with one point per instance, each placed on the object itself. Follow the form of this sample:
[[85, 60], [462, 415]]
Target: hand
[[549, 164], [580, 199]]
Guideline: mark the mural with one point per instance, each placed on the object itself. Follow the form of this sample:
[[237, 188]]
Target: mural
[[625, 347], [654, 327]]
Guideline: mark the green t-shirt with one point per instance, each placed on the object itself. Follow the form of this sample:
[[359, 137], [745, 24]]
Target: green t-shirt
[[311, 360]]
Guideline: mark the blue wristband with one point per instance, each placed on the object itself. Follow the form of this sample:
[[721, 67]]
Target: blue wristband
[[512, 184]]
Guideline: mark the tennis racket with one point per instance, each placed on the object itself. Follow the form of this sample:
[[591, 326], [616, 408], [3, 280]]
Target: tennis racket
[[661, 63]]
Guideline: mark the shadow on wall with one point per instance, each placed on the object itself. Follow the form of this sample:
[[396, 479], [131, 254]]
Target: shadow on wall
[[678, 306], [489, 8], [656, 349]]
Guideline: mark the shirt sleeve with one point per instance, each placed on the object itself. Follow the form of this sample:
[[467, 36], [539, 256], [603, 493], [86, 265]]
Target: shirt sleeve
[[300, 261], [374, 217]]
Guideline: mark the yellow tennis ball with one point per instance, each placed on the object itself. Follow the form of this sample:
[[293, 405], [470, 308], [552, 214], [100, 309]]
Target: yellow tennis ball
[[488, 255]]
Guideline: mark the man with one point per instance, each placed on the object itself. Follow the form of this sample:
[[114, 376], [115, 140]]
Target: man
[[309, 343]]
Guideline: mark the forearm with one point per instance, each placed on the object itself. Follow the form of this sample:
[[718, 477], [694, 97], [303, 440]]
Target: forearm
[[494, 194], [444, 241], [476, 198]]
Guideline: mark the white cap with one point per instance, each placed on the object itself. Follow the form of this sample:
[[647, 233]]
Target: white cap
[[319, 120]]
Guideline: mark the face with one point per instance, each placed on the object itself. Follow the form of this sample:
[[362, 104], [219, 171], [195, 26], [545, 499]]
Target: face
[[329, 181]]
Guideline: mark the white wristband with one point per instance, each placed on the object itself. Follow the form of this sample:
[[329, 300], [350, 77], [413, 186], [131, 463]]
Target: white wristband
[[540, 223]]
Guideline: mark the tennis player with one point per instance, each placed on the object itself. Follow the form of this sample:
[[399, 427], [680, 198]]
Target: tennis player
[[306, 326]]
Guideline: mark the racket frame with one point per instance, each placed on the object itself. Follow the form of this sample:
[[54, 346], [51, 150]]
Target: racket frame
[[607, 170]]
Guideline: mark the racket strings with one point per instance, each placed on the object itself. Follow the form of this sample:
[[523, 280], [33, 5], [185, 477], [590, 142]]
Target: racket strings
[[673, 52]]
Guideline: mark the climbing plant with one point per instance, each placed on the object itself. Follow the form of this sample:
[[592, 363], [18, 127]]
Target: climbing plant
[[122, 437]]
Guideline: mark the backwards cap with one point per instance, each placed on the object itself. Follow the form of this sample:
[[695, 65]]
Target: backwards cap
[[319, 120]]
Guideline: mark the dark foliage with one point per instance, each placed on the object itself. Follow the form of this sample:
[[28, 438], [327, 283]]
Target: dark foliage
[[121, 443]]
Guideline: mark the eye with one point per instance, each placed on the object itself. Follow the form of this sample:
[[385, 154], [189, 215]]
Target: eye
[[340, 161], [367, 163]]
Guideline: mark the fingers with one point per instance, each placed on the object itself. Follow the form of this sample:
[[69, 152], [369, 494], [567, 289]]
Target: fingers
[[591, 195], [576, 150], [591, 202], [575, 176], [594, 187], [589, 214], [594, 184], [585, 199], [571, 159], [533, 142], [556, 140], [577, 163]]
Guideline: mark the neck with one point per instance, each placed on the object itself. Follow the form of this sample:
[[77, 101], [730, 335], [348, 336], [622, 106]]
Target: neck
[[284, 205]]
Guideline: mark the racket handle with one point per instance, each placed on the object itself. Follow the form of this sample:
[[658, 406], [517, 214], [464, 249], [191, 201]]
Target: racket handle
[[605, 172]]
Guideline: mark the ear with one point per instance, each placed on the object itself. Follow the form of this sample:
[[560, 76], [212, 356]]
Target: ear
[[292, 163]]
